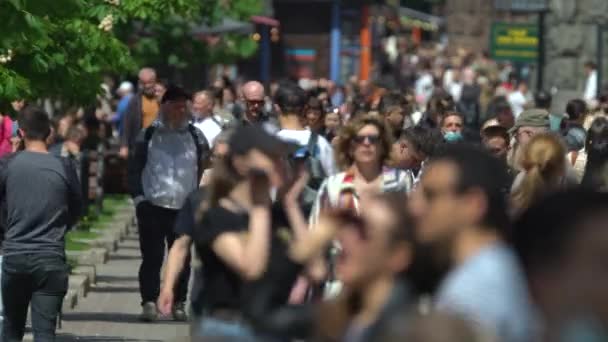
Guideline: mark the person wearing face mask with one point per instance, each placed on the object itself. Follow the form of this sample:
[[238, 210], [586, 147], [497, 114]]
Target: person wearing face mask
[[452, 126]]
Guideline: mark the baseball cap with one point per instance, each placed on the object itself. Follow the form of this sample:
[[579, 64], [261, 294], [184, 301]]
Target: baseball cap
[[249, 137], [174, 93], [531, 118]]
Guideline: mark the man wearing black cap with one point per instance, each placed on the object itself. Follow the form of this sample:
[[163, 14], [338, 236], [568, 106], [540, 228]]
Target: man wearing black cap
[[167, 165]]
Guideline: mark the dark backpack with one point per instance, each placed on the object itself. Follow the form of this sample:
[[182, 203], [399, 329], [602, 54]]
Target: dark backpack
[[315, 169]]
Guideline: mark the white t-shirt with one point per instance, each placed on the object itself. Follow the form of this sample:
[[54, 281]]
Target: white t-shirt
[[324, 153], [210, 128], [517, 100], [590, 86]]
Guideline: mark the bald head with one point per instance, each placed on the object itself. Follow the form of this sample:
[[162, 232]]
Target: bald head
[[253, 94], [253, 90], [147, 81]]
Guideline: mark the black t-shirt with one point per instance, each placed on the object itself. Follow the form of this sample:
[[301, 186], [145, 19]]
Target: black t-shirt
[[224, 288], [185, 222]]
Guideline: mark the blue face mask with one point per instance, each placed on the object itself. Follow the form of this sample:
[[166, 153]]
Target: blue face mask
[[452, 136], [555, 123]]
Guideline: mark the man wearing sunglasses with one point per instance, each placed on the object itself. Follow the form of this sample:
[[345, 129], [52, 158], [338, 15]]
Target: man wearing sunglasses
[[460, 209], [254, 98]]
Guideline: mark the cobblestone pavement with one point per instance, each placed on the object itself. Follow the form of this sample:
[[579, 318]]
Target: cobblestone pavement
[[110, 311]]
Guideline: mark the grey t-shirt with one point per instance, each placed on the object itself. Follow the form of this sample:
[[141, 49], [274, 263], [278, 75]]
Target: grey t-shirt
[[43, 200], [489, 290]]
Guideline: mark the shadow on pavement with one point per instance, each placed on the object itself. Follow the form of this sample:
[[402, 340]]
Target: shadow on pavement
[[130, 238], [111, 317], [114, 279], [123, 257], [135, 248], [70, 338], [115, 289]]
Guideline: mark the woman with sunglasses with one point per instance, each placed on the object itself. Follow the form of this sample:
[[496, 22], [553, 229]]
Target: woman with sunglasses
[[363, 151]]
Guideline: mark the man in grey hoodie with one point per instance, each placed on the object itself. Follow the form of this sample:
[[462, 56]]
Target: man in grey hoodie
[[167, 164]]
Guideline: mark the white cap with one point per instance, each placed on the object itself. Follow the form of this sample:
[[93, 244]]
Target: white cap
[[125, 87]]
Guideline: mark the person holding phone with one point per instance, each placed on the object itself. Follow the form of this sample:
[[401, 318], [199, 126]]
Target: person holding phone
[[241, 233]]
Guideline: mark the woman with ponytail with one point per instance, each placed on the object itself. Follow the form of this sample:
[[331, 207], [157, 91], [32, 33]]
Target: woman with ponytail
[[544, 171], [596, 147]]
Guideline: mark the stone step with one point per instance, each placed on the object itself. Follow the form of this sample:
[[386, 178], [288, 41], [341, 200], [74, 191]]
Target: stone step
[[87, 270], [93, 256], [80, 284]]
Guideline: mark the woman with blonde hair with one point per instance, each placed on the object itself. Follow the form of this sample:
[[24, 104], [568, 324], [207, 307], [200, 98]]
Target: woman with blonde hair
[[544, 170]]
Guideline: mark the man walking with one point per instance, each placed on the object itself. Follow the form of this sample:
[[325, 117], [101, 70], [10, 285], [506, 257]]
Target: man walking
[[203, 117], [167, 165], [460, 209], [141, 111], [43, 200], [254, 98]]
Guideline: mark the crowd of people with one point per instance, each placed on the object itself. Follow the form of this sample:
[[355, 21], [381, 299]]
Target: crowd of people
[[454, 206]]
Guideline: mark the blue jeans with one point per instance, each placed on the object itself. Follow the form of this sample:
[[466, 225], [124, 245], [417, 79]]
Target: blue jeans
[[208, 328], [41, 279]]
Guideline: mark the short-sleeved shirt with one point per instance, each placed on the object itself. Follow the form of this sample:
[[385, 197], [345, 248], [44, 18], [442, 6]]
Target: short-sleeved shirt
[[489, 289], [224, 288], [185, 222]]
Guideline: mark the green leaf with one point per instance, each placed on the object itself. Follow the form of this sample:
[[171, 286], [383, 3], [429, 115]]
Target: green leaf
[[172, 60]]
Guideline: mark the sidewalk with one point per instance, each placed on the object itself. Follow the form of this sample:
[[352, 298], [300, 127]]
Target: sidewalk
[[110, 311]]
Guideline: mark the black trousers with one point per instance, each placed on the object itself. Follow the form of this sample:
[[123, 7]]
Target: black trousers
[[155, 226], [41, 279]]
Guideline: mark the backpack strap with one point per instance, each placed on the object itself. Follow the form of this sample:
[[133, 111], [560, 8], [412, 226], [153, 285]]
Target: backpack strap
[[197, 142], [202, 148], [217, 122], [148, 133]]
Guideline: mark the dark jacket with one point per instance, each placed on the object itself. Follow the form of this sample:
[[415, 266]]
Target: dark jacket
[[132, 121]]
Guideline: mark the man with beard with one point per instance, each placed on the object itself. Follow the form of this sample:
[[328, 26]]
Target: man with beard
[[141, 111], [460, 208]]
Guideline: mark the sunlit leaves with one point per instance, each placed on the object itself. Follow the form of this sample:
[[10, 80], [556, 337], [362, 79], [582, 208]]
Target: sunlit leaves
[[61, 49]]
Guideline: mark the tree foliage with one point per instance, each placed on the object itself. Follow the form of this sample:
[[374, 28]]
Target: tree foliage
[[62, 48]]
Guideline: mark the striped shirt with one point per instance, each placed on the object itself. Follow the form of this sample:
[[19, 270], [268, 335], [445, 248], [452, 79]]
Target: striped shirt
[[338, 191]]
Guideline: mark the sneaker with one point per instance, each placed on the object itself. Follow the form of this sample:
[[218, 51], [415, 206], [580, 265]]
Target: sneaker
[[179, 312], [149, 312]]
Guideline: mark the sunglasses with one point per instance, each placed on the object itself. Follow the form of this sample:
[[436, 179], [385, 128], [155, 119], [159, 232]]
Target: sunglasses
[[372, 139], [255, 102]]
